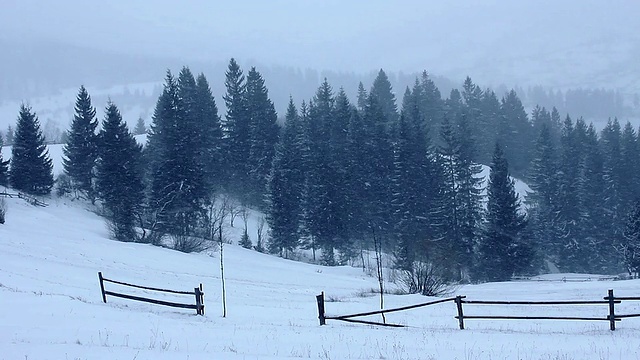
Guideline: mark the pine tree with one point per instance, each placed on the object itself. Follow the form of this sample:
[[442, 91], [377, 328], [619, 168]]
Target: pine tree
[[81, 149], [629, 155], [31, 168], [378, 169], [236, 129], [629, 246], [211, 154], [544, 183], [383, 92], [362, 97], [286, 185], [245, 241], [263, 134], [461, 194], [140, 128], [515, 132], [356, 194], [119, 175], [593, 254], [319, 219], [178, 186], [570, 245], [478, 121], [502, 250]]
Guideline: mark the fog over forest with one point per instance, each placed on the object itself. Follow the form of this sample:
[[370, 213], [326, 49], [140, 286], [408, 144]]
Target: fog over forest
[[534, 46]]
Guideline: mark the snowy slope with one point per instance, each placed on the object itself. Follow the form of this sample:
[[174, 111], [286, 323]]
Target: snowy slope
[[51, 307]]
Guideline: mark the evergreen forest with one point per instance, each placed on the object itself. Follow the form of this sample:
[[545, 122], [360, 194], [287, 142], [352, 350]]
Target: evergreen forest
[[399, 170]]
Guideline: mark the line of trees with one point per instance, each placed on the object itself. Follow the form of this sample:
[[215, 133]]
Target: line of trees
[[340, 177]]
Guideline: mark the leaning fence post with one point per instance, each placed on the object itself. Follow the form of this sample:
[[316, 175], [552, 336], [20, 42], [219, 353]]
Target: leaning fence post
[[460, 316], [104, 296], [612, 315], [320, 300]]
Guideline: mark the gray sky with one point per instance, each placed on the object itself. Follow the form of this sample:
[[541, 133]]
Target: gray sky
[[450, 38]]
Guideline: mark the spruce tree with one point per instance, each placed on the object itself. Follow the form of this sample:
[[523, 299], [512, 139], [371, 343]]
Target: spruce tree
[[211, 154], [286, 185], [236, 128], [385, 98], [568, 197], [461, 194], [177, 179], [263, 134], [140, 128], [629, 245], [515, 132], [362, 97], [378, 169], [594, 254], [119, 175], [544, 183], [339, 167], [502, 250], [31, 168], [81, 149], [319, 218], [629, 155]]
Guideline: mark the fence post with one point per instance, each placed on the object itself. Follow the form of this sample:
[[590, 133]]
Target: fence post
[[201, 301], [612, 316], [320, 300], [196, 291], [104, 296], [460, 314]]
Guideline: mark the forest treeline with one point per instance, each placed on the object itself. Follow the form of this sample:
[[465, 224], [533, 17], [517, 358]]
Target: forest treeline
[[346, 175]]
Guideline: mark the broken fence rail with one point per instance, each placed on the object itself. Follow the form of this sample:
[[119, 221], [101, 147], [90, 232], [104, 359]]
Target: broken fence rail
[[349, 318], [197, 292], [609, 300]]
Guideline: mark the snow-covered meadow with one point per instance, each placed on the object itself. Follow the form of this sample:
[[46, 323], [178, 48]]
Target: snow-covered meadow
[[51, 306]]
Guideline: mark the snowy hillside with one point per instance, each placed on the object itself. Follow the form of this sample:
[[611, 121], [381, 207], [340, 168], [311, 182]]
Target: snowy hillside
[[51, 305]]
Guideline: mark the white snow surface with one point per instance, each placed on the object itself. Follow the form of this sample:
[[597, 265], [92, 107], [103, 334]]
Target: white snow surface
[[51, 305]]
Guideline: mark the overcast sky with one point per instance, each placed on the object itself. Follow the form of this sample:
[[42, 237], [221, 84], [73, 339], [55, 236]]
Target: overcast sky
[[354, 35]]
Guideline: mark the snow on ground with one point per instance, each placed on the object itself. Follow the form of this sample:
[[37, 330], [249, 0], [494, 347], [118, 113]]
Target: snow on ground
[[51, 307]]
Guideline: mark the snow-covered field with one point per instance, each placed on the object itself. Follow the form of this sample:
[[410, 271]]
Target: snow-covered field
[[51, 306]]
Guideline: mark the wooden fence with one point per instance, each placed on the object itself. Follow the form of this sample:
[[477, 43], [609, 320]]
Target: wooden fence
[[197, 292], [28, 198], [610, 300]]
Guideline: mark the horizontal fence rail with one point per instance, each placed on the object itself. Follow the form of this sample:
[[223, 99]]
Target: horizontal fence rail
[[28, 198], [197, 292], [349, 318], [609, 300]]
